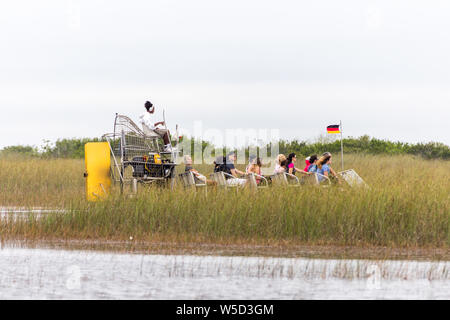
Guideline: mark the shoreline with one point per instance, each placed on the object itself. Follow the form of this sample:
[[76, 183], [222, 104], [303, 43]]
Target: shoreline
[[251, 250]]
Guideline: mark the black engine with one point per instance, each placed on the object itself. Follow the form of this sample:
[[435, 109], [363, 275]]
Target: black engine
[[146, 166]]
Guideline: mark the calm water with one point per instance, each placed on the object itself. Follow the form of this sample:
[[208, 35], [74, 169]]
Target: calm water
[[14, 213], [61, 274]]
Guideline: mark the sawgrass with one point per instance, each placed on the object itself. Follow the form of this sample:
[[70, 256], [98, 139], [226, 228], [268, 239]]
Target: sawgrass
[[408, 205], [35, 182]]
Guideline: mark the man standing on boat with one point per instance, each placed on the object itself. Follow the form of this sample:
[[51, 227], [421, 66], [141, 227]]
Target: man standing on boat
[[148, 125]]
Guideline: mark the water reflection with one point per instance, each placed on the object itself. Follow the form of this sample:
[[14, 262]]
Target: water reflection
[[65, 274]]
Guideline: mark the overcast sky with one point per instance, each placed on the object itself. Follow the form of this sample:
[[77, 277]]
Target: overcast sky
[[382, 67]]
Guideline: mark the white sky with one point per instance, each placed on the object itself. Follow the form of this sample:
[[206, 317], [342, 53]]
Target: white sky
[[382, 67]]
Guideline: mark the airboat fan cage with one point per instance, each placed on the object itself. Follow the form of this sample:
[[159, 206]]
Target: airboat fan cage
[[138, 156]]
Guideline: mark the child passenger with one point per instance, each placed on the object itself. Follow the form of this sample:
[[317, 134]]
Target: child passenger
[[254, 167], [291, 169], [324, 167], [280, 164], [312, 167]]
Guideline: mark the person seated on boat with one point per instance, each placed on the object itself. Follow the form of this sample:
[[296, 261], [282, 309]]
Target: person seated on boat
[[307, 163], [283, 166], [188, 167], [291, 169], [281, 159], [254, 167], [148, 124], [229, 168], [333, 173], [313, 164], [198, 177], [324, 167]]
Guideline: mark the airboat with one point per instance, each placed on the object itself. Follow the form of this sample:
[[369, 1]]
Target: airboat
[[132, 156], [138, 156]]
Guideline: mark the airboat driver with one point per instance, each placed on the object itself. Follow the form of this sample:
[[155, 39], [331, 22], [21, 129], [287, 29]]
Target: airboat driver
[[147, 124]]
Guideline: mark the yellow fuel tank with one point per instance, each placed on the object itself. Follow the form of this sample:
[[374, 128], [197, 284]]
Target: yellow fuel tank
[[157, 158], [98, 163]]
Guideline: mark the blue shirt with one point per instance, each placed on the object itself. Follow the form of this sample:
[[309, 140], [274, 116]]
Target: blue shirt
[[312, 168], [228, 168], [325, 168]]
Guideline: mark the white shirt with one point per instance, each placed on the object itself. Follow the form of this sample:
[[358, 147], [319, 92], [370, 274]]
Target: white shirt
[[146, 119], [278, 169]]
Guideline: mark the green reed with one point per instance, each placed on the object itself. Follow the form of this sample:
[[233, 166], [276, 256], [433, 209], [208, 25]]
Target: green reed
[[408, 204]]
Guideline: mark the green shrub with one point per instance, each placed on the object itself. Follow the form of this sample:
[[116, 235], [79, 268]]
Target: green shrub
[[74, 148]]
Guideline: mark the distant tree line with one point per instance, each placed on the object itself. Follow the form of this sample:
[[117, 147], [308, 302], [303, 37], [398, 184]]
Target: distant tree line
[[74, 148], [367, 145], [62, 148]]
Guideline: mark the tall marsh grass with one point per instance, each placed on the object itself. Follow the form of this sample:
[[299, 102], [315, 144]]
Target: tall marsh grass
[[408, 205], [28, 181]]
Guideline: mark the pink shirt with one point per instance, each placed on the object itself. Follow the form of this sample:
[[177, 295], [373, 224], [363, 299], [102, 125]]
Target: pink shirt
[[307, 165]]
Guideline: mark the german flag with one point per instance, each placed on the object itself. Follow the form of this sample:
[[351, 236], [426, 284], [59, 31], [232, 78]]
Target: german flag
[[333, 129]]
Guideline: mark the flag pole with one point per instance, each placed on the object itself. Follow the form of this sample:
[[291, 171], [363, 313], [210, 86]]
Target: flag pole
[[342, 146]]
